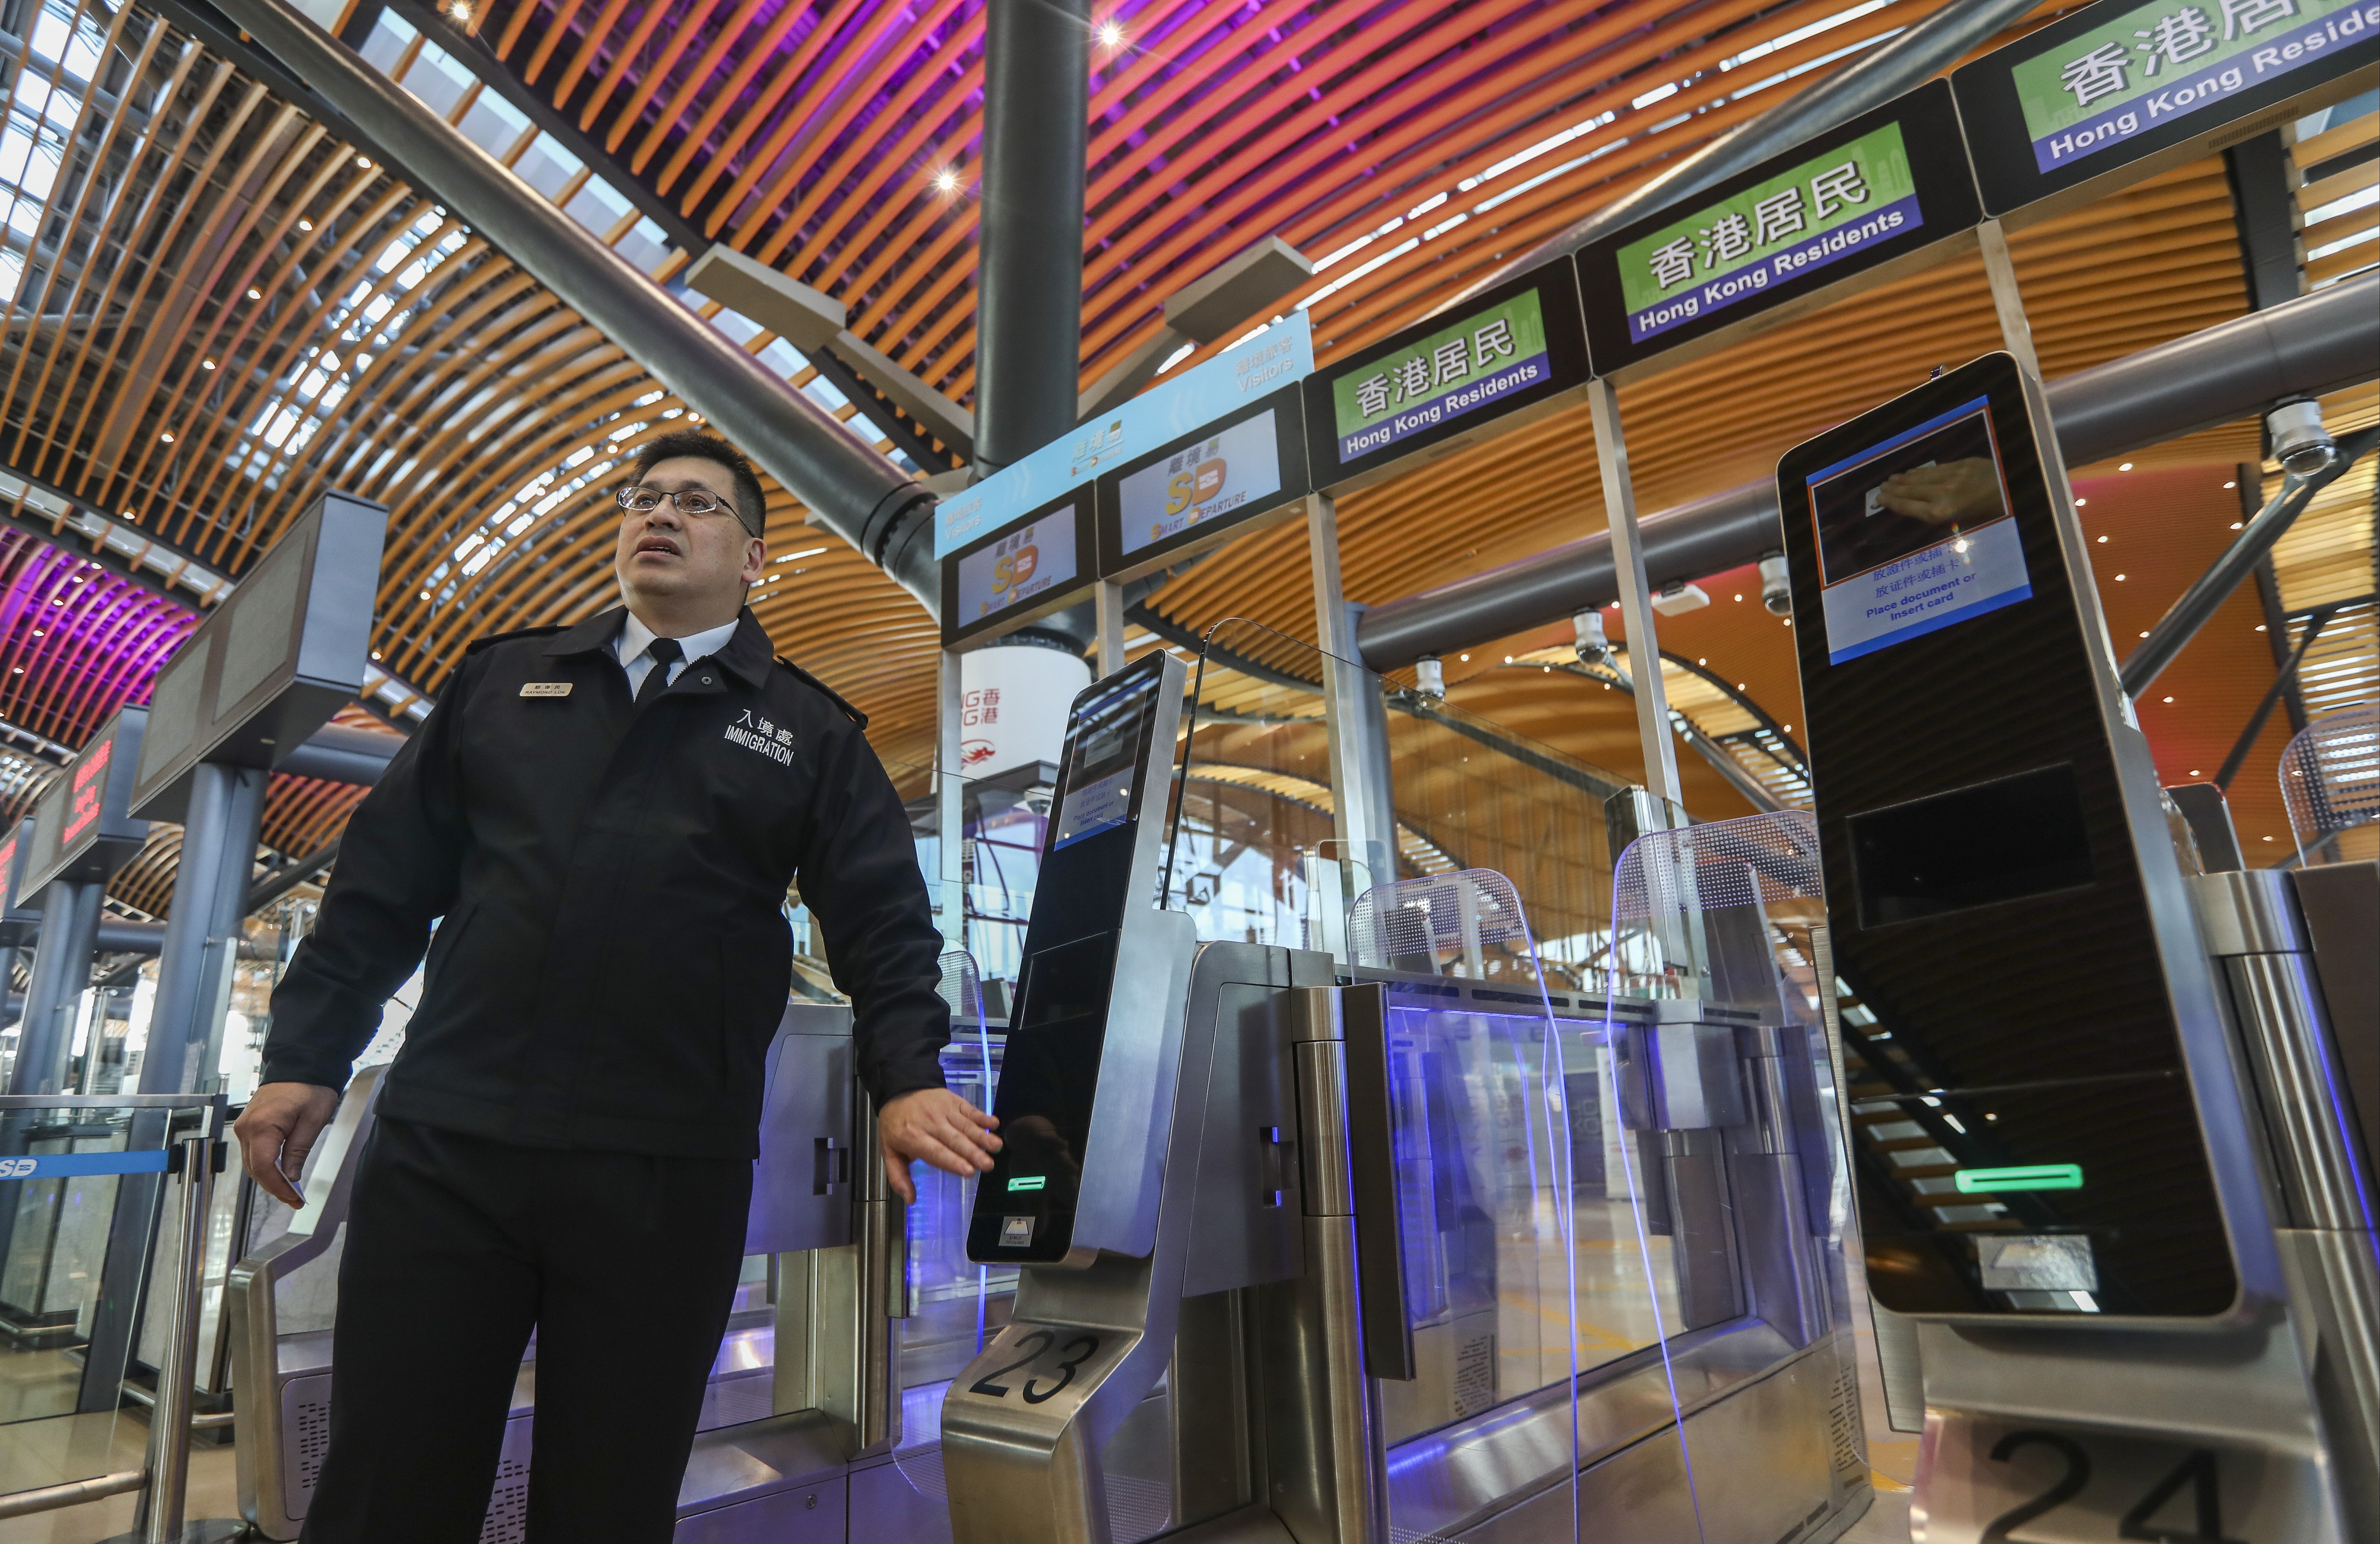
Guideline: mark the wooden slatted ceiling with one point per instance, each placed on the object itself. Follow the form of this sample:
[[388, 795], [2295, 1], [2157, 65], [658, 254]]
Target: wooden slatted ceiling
[[1214, 126]]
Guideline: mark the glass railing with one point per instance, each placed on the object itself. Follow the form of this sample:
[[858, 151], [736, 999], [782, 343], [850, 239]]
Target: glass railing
[[87, 1326]]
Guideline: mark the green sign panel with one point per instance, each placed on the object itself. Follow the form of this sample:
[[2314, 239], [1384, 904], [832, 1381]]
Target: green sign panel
[[1793, 223], [2140, 68], [1461, 366]]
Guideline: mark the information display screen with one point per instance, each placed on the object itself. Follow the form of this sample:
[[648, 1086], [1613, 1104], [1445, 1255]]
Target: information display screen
[[82, 830], [1983, 842], [2118, 84], [1441, 382], [1915, 533], [1027, 570], [1191, 492], [1887, 184]]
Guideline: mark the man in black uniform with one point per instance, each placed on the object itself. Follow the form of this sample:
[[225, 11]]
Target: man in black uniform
[[603, 818]]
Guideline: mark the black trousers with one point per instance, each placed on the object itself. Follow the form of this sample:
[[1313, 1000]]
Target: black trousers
[[624, 1265]]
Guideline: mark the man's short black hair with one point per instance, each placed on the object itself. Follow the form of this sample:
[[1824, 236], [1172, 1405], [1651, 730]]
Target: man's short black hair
[[751, 504]]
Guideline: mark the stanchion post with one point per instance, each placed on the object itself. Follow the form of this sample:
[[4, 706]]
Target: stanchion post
[[163, 1501]]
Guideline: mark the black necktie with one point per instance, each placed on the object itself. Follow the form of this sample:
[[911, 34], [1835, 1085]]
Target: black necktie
[[664, 652]]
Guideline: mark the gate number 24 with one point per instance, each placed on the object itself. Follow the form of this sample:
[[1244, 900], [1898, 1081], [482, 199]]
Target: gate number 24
[[2197, 1471], [1072, 1355]]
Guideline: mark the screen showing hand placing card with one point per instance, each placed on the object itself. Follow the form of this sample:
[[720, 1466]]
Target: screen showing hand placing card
[[1035, 557], [1915, 533], [1201, 482]]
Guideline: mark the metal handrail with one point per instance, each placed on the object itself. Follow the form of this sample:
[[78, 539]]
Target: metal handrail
[[162, 1482]]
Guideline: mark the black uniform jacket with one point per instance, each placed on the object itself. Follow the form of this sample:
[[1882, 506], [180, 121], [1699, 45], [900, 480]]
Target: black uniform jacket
[[613, 962]]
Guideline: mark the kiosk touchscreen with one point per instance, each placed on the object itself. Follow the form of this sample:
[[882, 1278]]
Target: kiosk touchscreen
[[1096, 872], [1987, 815]]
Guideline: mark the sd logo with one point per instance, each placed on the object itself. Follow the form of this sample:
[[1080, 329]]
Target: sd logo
[[18, 1168]]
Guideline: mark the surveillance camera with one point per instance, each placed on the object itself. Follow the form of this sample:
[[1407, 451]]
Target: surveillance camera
[[1592, 646], [2300, 441], [1429, 677], [1776, 587]]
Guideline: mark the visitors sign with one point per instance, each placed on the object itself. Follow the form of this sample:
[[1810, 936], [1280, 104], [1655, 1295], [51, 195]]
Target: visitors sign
[[2119, 84], [1439, 382], [1889, 184]]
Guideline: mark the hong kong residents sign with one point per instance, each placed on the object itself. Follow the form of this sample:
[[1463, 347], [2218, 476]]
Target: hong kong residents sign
[[2120, 90], [1777, 239], [1444, 382]]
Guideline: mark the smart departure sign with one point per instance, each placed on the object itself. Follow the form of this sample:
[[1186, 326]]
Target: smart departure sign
[[1512, 353], [1772, 242], [2131, 88], [1020, 573], [1200, 489]]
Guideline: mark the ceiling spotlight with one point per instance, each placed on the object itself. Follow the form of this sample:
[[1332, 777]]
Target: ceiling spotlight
[[168, 438], [1111, 33], [256, 295], [2125, 468], [946, 181], [365, 162], [305, 224], [206, 364]]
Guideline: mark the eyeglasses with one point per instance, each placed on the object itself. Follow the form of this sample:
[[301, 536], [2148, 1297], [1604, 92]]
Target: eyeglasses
[[689, 501]]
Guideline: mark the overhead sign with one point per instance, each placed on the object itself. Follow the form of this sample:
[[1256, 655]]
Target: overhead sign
[[2123, 88], [1197, 491], [1282, 353], [81, 829], [278, 657], [1516, 351], [1021, 572], [1777, 240]]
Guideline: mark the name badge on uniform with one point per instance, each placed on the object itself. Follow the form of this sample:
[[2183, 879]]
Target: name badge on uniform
[[546, 689]]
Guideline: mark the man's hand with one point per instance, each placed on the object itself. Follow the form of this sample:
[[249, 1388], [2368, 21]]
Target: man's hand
[[934, 1125], [278, 1131], [1966, 489]]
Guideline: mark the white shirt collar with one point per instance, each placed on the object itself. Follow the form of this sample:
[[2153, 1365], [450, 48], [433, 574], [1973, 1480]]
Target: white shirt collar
[[636, 637]]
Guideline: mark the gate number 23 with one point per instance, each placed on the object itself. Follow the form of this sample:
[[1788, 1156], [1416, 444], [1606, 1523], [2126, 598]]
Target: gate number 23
[[1072, 1355], [2197, 1471]]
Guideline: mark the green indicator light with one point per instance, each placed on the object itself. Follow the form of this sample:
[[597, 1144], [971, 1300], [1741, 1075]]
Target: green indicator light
[[1037, 1181], [2038, 1176]]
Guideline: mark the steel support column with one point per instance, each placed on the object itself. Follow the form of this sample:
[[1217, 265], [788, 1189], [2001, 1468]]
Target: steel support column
[[70, 912], [202, 931]]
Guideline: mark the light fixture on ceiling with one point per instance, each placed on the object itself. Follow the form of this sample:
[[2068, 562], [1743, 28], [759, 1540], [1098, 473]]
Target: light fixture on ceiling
[[305, 224], [1112, 33], [206, 364], [2120, 579], [946, 181], [365, 162], [2125, 467], [256, 295], [168, 438]]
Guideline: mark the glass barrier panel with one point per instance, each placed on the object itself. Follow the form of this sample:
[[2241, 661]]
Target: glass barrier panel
[[1502, 1240], [84, 1197], [1732, 1107], [1252, 855]]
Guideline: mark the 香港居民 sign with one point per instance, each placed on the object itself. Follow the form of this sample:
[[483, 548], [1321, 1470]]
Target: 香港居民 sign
[[1889, 183], [1442, 375], [1516, 346], [2160, 62], [2114, 85], [1804, 219]]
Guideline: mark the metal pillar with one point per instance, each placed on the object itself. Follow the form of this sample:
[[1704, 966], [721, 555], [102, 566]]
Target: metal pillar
[[202, 931], [1029, 262], [61, 971], [1362, 817], [1109, 609], [1635, 594]]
